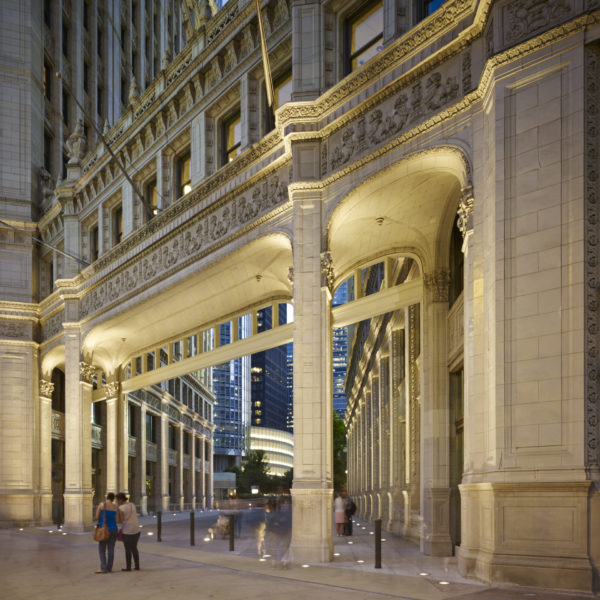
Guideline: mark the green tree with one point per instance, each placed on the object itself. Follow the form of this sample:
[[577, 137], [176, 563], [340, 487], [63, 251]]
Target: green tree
[[254, 472], [339, 453]]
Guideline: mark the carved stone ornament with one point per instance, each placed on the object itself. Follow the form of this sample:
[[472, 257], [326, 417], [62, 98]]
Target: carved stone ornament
[[527, 17], [327, 275], [592, 254], [383, 124], [465, 211], [111, 389], [437, 282], [290, 275], [196, 238], [9, 329], [86, 372], [46, 388], [76, 144]]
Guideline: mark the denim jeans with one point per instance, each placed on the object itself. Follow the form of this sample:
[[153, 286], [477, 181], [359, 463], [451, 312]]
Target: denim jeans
[[106, 550], [131, 542]]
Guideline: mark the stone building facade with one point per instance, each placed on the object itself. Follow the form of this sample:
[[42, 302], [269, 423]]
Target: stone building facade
[[201, 207]]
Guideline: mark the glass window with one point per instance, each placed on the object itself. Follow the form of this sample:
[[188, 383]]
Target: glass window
[[150, 428], [282, 90], [232, 138], [364, 36], [47, 77], [152, 197], [132, 427], [430, 6], [65, 40], [47, 152], [117, 225], [65, 107], [184, 175], [94, 243]]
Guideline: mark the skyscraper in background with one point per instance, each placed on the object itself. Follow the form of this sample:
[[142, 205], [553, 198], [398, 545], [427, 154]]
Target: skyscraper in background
[[269, 377], [231, 386], [340, 355], [290, 386]]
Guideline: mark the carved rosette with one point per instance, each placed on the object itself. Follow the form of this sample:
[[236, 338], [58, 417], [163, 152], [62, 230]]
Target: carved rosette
[[437, 283], [465, 211], [111, 390], [592, 255], [86, 372], [46, 388], [327, 275]]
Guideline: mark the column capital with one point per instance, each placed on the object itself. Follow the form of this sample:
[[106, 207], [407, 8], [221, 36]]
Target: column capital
[[46, 389], [111, 390], [436, 282], [86, 372], [327, 273], [465, 211]]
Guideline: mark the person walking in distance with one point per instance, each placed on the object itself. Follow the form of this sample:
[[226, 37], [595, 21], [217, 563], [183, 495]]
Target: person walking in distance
[[127, 517], [106, 513], [339, 513], [349, 509]]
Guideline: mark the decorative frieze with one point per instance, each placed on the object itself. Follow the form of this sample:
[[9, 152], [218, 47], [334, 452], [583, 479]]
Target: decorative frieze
[[525, 18], [13, 329], [52, 326], [410, 105], [195, 239], [592, 254]]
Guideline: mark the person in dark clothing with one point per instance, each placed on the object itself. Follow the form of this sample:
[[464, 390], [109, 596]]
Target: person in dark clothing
[[349, 509], [127, 517]]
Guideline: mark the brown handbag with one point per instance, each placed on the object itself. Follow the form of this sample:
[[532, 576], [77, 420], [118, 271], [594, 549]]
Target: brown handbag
[[101, 533]]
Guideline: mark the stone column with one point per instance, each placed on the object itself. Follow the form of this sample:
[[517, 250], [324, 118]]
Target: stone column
[[384, 436], [46, 388], [163, 453], [397, 431], [78, 433], [192, 486], [202, 474], [123, 442], [413, 417], [211, 487], [141, 458], [112, 393], [435, 426], [312, 492], [180, 469], [250, 110]]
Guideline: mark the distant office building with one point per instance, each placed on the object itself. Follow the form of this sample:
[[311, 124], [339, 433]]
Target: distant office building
[[340, 355], [231, 386], [290, 386], [269, 378], [278, 446]]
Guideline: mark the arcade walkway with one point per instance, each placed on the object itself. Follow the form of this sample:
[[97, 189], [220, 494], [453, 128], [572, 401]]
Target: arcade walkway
[[35, 563]]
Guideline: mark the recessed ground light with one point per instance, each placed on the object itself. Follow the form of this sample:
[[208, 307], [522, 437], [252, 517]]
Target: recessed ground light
[[336, 553], [207, 539], [20, 529], [150, 533], [266, 556], [444, 582], [360, 561], [371, 533], [383, 539], [262, 559], [305, 566], [351, 543], [64, 533], [363, 527], [423, 574]]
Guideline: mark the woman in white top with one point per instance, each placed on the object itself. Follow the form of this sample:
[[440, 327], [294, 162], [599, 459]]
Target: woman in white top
[[339, 512], [127, 517]]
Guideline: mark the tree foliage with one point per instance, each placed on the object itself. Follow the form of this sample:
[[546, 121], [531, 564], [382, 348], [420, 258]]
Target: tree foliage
[[339, 453]]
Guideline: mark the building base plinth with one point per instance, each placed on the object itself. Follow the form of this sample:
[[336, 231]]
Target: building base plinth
[[531, 534], [312, 525]]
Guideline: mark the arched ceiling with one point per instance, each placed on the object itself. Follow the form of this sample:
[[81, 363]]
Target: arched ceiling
[[226, 287], [403, 209]]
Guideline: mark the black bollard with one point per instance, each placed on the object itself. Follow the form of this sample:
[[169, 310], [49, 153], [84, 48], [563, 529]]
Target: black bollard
[[192, 529], [378, 543], [231, 532], [159, 526]]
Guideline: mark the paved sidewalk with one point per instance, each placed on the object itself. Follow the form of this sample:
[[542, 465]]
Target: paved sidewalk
[[42, 563]]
